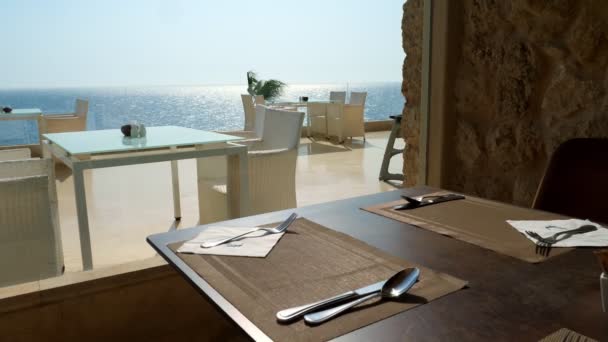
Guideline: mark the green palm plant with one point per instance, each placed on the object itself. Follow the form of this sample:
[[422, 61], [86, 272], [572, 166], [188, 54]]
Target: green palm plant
[[271, 89]]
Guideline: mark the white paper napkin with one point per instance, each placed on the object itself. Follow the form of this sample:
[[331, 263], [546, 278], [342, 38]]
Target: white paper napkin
[[598, 238], [257, 244]]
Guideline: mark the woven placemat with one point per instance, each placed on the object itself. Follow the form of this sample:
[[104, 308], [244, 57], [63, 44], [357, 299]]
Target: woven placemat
[[566, 335], [309, 263], [477, 221]]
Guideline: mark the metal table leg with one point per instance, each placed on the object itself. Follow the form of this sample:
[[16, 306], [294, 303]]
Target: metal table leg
[[83, 220], [177, 210]]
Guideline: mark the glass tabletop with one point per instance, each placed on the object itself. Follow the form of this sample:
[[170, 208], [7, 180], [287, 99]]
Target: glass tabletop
[[23, 112], [112, 140]]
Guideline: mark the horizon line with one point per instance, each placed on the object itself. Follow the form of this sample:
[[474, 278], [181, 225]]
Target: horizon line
[[181, 85]]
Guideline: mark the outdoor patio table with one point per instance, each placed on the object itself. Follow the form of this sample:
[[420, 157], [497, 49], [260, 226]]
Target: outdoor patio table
[[168, 143], [27, 114], [298, 105], [507, 299]]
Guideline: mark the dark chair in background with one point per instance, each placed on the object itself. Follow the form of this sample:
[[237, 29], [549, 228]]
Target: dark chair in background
[[576, 181]]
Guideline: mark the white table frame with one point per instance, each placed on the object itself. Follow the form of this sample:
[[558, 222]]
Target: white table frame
[[172, 154]]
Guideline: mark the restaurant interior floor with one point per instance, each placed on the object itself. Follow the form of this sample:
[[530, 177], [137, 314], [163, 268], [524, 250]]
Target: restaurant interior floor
[[128, 203]]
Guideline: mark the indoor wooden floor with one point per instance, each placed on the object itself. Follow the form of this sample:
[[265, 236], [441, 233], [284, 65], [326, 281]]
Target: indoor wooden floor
[[126, 204]]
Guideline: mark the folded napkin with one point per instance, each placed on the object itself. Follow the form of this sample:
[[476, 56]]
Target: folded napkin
[[257, 244], [598, 238]]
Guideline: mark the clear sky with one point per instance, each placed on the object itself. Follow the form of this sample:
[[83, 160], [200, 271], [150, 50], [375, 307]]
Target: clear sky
[[176, 42]]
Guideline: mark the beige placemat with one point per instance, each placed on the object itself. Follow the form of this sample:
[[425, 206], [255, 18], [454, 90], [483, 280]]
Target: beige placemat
[[477, 221], [312, 262], [566, 335]]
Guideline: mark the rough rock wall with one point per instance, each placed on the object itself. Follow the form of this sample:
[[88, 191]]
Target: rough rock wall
[[411, 28], [531, 75]]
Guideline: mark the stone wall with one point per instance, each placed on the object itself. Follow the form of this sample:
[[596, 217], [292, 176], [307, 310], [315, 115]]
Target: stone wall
[[411, 28], [531, 74]]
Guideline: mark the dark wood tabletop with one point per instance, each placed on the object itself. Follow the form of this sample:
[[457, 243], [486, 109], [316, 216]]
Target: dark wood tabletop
[[507, 299]]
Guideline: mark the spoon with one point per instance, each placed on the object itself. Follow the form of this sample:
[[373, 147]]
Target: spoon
[[394, 287]]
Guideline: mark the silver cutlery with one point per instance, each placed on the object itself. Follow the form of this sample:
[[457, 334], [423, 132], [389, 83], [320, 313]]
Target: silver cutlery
[[394, 287], [299, 311], [544, 244], [276, 230], [414, 202]]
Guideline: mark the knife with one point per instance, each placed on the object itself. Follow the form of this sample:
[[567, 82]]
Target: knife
[[414, 203], [299, 311]]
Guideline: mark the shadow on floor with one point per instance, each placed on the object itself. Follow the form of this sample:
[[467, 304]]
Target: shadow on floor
[[321, 147], [355, 144]]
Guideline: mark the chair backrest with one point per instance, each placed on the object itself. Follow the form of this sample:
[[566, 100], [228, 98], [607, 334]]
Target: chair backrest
[[25, 168], [316, 109], [82, 108], [249, 110], [30, 239], [260, 115], [282, 129], [358, 98], [575, 181], [15, 154], [65, 123], [334, 110], [259, 100], [337, 96]]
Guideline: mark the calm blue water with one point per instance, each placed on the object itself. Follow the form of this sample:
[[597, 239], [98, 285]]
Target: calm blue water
[[201, 107]]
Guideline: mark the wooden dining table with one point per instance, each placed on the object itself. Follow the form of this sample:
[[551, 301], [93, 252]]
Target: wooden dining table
[[507, 299]]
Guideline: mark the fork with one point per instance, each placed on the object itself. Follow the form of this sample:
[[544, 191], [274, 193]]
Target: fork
[[543, 246], [276, 230]]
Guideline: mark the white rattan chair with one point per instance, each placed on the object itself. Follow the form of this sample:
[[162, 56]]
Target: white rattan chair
[[68, 122], [249, 110], [258, 127], [337, 96], [15, 154], [353, 121], [345, 121], [317, 118], [30, 239], [334, 121], [259, 100], [271, 171], [357, 98]]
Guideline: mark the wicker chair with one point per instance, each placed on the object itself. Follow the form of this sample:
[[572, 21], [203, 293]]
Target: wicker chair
[[271, 171], [317, 118], [68, 122], [575, 182], [353, 121], [258, 127], [259, 100], [249, 110], [30, 239], [335, 122], [358, 98], [15, 154], [337, 96]]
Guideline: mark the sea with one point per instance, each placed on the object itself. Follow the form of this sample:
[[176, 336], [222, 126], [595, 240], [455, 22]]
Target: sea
[[201, 107]]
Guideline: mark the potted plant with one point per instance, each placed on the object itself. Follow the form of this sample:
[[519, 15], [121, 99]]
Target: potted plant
[[270, 89]]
